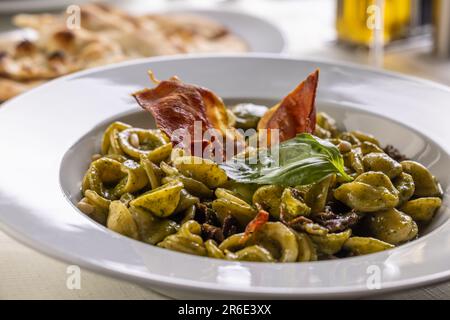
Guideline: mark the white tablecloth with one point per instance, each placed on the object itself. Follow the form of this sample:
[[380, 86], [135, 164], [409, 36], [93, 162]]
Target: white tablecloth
[[309, 27]]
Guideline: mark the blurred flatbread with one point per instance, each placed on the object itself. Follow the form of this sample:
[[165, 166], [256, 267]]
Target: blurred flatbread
[[107, 35], [11, 88]]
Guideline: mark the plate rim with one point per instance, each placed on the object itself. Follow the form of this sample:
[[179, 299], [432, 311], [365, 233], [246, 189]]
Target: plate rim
[[251, 55]]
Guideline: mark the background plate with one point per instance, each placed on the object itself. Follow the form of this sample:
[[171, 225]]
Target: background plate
[[259, 34]]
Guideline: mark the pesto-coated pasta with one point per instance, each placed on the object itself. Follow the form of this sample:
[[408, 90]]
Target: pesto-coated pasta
[[161, 201], [331, 243], [187, 239], [121, 220], [293, 205], [270, 198], [240, 211], [422, 209], [306, 248], [251, 253], [376, 161], [213, 251], [203, 170], [143, 188], [280, 240], [365, 245], [369, 192], [392, 226]]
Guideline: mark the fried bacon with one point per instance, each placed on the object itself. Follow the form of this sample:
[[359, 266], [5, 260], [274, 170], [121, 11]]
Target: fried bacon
[[296, 113], [261, 218], [336, 222], [176, 106]]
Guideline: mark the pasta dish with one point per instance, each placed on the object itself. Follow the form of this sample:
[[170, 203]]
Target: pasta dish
[[298, 188]]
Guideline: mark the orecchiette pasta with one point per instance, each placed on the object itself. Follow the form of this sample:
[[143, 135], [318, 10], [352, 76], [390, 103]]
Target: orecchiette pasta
[[251, 253], [161, 201], [233, 243], [425, 183], [392, 226], [422, 209], [306, 248], [365, 245], [213, 251], [382, 162], [364, 137], [152, 229], [152, 171], [134, 180], [143, 188], [369, 192], [404, 183], [241, 211], [331, 243], [203, 170], [293, 205], [317, 195], [355, 160], [110, 144], [121, 220], [187, 239], [270, 198], [144, 142], [279, 240], [369, 147]]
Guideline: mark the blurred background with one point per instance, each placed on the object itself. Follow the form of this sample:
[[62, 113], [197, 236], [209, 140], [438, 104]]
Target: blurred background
[[408, 36]]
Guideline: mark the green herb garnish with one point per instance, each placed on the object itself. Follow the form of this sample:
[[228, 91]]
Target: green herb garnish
[[302, 160]]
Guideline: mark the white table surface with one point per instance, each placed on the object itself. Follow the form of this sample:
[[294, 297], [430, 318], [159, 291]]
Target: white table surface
[[27, 274]]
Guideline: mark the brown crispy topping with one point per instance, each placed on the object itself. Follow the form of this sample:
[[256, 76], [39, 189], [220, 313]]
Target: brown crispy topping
[[64, 37], [56, 56], [296, 113], [230, 226], [205, 214], [336, 222], [212, 232], [305, 224], [177, 107], [221, 33], [25, 47], [394, 153]]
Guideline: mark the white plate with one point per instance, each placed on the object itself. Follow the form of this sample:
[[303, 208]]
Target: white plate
[[48, 134], [259, 34]]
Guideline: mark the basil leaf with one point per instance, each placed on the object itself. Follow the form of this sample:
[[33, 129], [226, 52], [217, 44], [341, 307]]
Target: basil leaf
[[302, 160]]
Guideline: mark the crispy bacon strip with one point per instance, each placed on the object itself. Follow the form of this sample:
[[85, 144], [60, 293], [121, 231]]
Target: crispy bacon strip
[[176, 106], [261, 218], [296, 113]]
